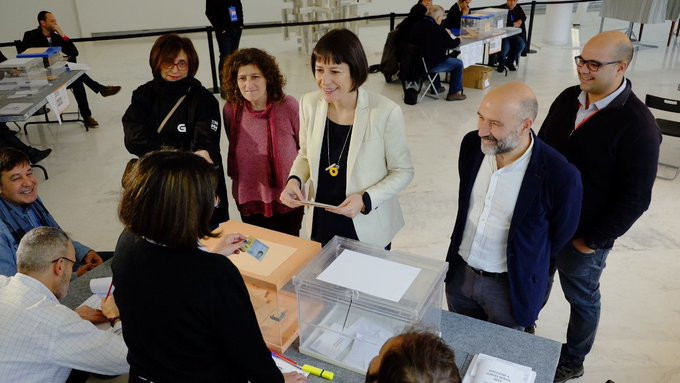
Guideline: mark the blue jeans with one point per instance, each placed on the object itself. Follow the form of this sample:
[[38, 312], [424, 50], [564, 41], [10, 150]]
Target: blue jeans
[[511, 48], [580, 278], [454, 67]]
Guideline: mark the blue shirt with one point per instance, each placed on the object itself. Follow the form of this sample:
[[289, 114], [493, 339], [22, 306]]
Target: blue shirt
[[17, 220]]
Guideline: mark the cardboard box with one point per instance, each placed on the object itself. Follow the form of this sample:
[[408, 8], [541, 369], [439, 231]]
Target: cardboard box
[[269, 281], [477, 76]]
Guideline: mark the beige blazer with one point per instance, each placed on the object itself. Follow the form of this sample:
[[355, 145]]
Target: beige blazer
[[378, 161]]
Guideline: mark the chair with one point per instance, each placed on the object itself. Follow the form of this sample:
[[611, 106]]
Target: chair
[[667, 127], [413, 72]]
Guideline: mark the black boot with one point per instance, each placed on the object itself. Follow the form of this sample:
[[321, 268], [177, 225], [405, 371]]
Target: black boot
[[36, 155]]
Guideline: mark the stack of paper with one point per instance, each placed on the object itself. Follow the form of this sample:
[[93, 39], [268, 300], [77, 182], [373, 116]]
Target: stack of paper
[[488, 369]]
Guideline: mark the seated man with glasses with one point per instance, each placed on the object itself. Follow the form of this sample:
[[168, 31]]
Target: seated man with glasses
[[22, 210], [42, 340]]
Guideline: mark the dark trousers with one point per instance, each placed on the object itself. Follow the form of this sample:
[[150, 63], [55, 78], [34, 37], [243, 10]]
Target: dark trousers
[[79, 93], [221, 212], [9, 139], [288, 223], [511, 48], [227, 43]]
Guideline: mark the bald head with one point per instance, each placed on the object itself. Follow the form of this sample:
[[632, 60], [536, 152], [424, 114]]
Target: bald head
[[615, 44], [517, 98]]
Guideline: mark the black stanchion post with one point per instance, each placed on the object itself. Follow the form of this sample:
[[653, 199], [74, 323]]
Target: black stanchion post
[[531, 27], [392, 17], [211, 49]]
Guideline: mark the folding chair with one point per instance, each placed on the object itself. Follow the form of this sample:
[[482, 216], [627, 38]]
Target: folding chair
[[413, 72], [668, 127]]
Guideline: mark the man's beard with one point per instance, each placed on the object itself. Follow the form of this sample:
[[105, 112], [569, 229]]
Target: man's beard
[[501, 146]]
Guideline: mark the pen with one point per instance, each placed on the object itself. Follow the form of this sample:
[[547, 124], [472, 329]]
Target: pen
[[307, 368], [109, 292]]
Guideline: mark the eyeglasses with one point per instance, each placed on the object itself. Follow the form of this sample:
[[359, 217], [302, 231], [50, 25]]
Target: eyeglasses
[[181, 65], [592, 65], [70, 260]]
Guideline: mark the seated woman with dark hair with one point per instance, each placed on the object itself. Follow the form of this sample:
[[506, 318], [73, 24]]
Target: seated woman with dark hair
[[187, 313], [414, 357], [175, 111], [262, 126]]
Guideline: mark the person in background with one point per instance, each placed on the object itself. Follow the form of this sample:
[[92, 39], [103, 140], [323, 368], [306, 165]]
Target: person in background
[[414, 356], [611, 137], [42, 340], [434, 42], [175, 111], [513, 46], [207, 330], [50, 34], [458, 9], [262, 125], [226, 18], [353, 150], [22, 210]]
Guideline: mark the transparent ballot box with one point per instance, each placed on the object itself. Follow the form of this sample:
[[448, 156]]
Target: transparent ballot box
[[353, 297], [268, 279], [49, 55], [477, 24], [500, 16], [23, 73]]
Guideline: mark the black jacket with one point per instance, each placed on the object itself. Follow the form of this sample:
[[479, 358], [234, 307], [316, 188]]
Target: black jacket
[[195, 125], [452, 19], [433, 41], [188, 316], [34, 39], [515, 14], [217, 12], [617, 151]]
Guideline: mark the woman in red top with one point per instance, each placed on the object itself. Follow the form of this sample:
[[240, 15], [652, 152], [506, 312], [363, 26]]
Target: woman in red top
[[262, 126]]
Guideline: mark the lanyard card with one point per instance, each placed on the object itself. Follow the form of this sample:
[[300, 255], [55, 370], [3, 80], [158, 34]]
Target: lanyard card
[[232, 14]]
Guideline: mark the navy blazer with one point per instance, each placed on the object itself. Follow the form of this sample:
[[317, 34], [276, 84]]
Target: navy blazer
[[545, 218]]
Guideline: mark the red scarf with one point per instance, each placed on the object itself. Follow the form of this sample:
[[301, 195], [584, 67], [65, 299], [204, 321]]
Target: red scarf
[[269, 115]]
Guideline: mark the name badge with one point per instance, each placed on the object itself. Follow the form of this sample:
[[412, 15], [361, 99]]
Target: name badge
[[232, 14]]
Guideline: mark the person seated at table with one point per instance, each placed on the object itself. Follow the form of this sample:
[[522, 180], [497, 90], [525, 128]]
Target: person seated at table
[[50, 34], [513, 46], [414, 356], [458, 9], [263, 126], [175, 111], [22, 210], [205, 329], [42, 340], [434, 41]]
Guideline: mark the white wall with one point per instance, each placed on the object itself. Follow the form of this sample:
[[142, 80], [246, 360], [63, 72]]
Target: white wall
[[81, 18]]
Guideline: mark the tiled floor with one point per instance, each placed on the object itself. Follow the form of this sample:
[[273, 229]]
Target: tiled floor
[[639, 340]]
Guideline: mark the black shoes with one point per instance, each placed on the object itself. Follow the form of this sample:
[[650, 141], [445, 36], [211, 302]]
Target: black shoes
[[37, 155], [566, 372], [500, 68], [107, 91], [511, 67]]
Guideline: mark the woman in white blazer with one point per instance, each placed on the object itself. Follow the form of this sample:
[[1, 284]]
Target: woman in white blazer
[[353, 150]]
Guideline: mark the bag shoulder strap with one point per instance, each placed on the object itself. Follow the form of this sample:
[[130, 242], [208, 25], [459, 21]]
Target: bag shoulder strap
[[170, 113]]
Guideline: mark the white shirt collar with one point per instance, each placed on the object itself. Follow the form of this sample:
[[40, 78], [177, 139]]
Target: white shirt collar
[[601, 104]]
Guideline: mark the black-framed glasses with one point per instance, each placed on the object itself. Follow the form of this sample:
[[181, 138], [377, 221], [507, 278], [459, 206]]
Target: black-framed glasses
[[70, 260], [181, 65], [592, 65]]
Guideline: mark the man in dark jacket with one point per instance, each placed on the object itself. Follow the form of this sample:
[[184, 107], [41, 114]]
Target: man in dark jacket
[[458, 9], [612, 138], [226, 17], [48, 34], [518, 205], [512, 46], [434, 41]]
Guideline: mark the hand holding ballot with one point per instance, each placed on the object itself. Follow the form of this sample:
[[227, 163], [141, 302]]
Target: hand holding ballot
[[227, 244], [292, 195], [350, 207]]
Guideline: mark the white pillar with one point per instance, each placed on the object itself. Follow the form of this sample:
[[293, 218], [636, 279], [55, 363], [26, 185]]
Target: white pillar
[[557, 25], [580, 13]]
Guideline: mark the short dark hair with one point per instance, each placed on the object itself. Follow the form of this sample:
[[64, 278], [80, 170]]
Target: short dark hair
[[168, 197], [265, 62], [419, 357], [342, 46], [11, 158], [165, 50], [42, 16]]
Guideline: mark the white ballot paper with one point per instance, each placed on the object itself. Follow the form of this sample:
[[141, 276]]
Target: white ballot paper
[[14, 108], [371, 275], [100, 286], [489, 369]]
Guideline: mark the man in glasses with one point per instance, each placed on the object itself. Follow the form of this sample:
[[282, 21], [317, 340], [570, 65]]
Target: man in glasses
[[610, 135], [50, 34], [22, 210], [42, 340]]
